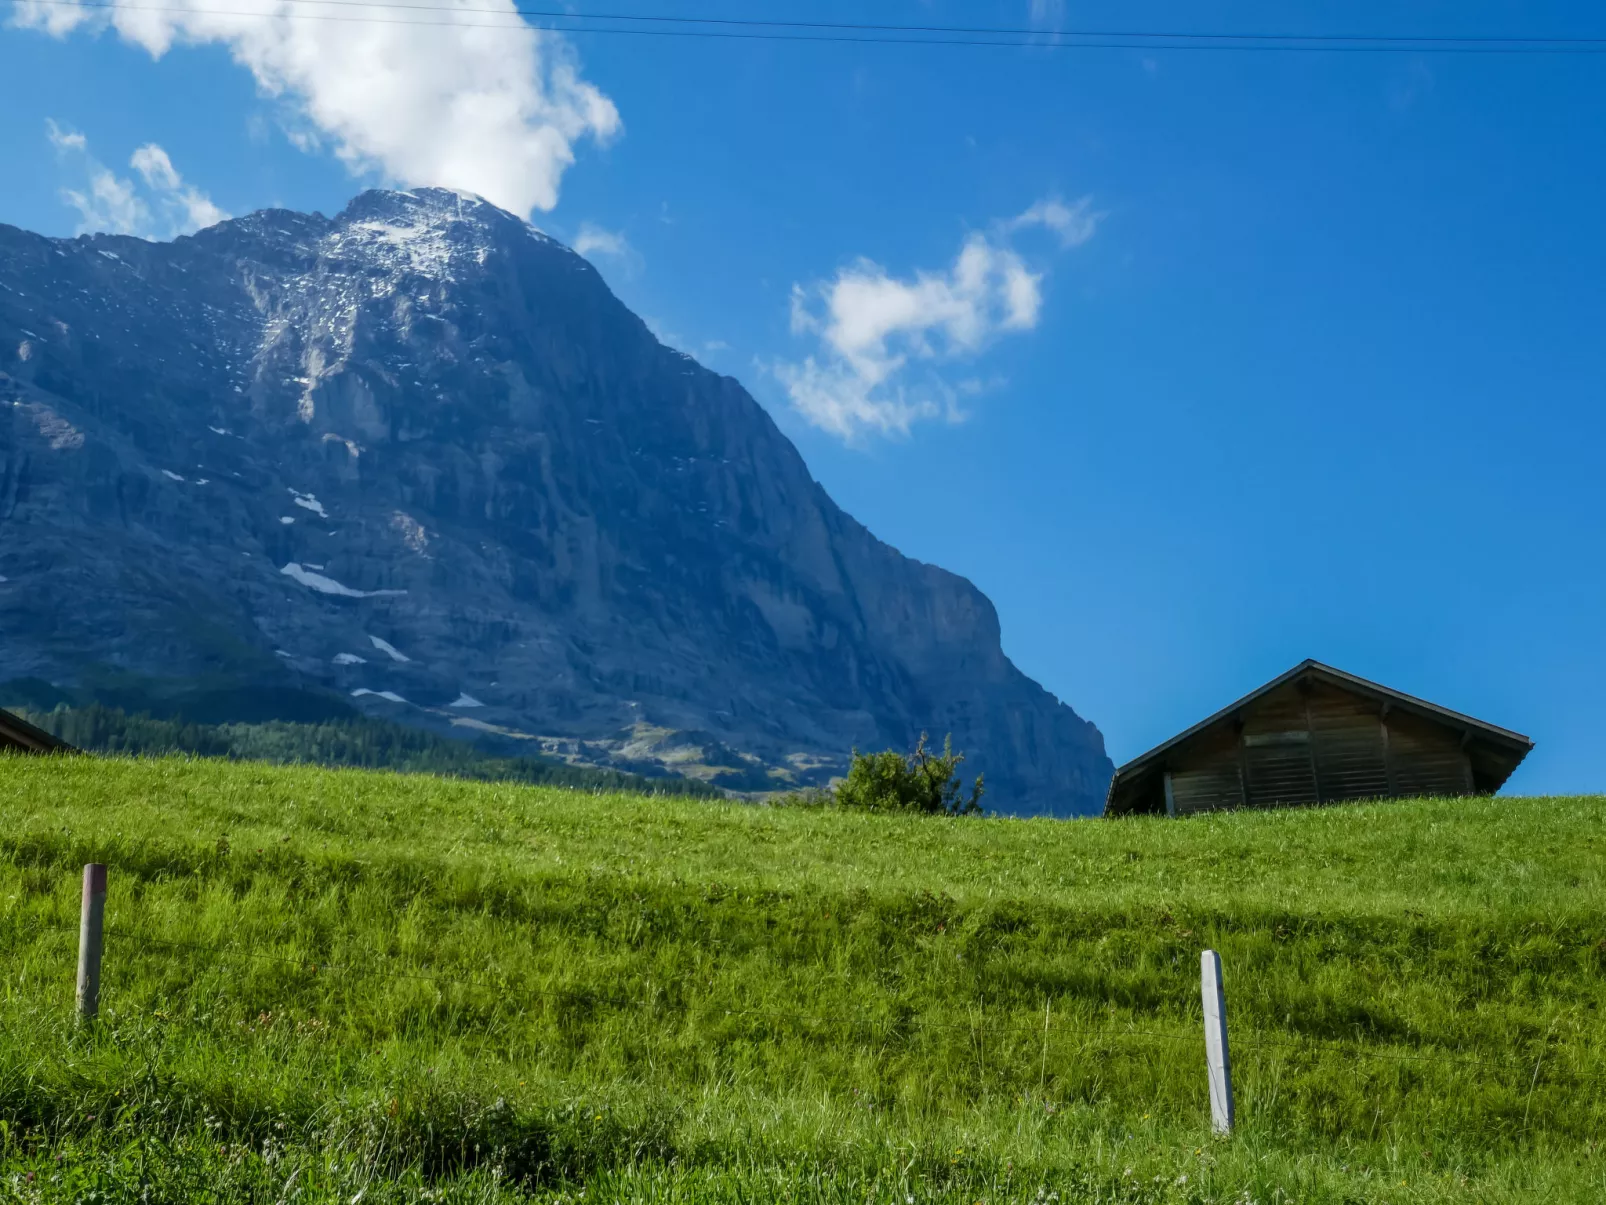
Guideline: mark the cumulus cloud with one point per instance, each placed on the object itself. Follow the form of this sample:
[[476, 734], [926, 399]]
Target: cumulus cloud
[[469, 99], [594, 240], [882, 337], [114, 204]]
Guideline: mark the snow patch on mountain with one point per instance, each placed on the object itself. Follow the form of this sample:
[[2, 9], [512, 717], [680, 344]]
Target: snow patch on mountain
[[390, 650], [378, 694], [420, 246], [328, 585], [309, 502]]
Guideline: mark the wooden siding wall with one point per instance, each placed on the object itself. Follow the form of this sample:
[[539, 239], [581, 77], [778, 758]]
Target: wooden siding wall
[[1211, 778], [1427, 759], [1318, 745]]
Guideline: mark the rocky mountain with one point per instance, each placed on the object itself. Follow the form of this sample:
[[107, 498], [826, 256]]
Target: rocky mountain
[[419, 457]]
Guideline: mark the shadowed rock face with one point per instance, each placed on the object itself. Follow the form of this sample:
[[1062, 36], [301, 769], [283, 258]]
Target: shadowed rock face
[[421, 449]]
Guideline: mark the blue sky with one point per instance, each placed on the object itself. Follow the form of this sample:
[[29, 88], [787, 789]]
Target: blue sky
[[1197, 363]]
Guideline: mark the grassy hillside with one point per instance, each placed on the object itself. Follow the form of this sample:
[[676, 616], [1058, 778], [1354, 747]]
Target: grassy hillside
[[329, 983]]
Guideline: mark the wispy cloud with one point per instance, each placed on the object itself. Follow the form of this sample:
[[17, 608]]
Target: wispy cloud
[[115, 205], [495, 107], [1074, 223], [65, 140], [106, 201], [662, 333], [152, 163], [1047, 16], [881, 337], [594, 240]]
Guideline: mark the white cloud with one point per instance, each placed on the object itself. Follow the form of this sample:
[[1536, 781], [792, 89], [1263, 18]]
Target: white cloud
[[467, 101], [594, 240], [65, 140], [106, 201], [112, 204], [151, 161], [1074, 224], [191, 208], [108, 204], [876, 330], [837, 399]]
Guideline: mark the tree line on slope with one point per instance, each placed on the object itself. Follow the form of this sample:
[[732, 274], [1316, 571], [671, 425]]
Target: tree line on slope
[[354, 741]]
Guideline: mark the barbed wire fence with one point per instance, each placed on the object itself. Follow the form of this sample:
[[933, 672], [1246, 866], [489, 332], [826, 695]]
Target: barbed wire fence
[[1213, 1043], [1215, 1040]]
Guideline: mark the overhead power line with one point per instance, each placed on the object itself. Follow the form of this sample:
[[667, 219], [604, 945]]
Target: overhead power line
[[751, 29]]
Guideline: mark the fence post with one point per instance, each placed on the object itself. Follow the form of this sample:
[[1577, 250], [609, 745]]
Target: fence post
[[1216, 1056], [91, 922]]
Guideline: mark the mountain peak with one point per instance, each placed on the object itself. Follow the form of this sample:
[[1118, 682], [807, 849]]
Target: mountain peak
[[425, 204], [419, 452]]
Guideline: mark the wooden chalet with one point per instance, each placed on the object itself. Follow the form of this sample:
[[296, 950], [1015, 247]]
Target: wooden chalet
[[17, 733], [1317, 735]]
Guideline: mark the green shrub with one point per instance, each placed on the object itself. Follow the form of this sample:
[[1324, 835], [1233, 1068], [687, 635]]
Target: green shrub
[[920, 782]]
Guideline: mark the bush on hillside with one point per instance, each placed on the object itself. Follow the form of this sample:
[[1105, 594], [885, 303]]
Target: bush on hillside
[[919, 782]]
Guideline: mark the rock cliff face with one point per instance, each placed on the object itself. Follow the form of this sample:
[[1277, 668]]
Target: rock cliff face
[[418, 455]]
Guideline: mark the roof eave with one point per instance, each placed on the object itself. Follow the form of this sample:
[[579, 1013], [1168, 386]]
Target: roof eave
[[36, 740], [1310, 665]]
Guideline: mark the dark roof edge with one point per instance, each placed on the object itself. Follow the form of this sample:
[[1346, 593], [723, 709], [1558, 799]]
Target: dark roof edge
[[1432, 710], [11, 724]]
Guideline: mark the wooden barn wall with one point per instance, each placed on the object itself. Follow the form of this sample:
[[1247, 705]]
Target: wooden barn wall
[[1351, 750], [1211, 778], [1277, 751], [1426, 759], [1320, 745]]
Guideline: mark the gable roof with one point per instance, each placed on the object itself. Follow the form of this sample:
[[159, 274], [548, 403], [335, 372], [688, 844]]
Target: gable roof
[[1315, 670], [17, 733]]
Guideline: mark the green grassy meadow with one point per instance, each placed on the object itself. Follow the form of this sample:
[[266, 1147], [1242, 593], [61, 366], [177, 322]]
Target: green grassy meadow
[[341, 985]]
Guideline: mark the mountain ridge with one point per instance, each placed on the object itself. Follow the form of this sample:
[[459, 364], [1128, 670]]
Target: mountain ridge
[[418, 454]]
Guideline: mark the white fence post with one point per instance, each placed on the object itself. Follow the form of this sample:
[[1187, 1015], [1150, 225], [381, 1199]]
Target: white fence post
[[91, 919], [1216, 1056]]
